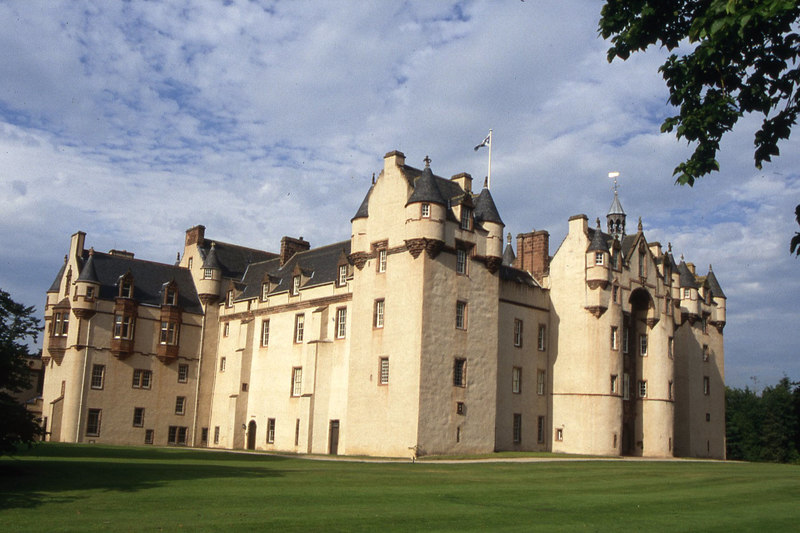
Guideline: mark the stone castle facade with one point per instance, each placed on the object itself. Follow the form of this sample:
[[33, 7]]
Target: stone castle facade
[[421, 334]]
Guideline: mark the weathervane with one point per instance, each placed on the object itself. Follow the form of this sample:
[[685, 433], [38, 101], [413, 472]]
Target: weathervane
[[614, 175]]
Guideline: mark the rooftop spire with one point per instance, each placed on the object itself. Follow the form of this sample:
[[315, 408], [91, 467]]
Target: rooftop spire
[[616, 215]]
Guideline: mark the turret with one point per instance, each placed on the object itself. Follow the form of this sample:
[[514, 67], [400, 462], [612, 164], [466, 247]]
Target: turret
[[718, 317], [426, 209], [598, 259], [87, 289], [487, 216], [208, 288]]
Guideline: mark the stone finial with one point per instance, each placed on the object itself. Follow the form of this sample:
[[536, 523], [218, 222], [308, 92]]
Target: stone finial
[[598, 222], [427, 162], [669, 247], [486, 182], [508, 238], [373, 178], [640, 225]]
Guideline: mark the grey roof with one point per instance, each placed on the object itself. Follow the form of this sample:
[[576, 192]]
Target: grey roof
[[56, 285], [320, 264], [515, 275], [687, 278], [88, 272], [711, 279], [508, 255], [363, 209], [616, 207], [148, 280], [599, 240], [426, 189], [233, 259], [211, 260], [485, 210]]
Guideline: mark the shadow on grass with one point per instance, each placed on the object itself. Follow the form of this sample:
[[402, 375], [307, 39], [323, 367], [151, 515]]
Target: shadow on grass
[[52, 472]]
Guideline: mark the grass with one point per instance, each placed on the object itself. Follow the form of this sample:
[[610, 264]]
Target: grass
[[97, 488]]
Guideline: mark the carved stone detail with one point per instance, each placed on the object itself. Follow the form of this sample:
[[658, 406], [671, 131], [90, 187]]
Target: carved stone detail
[[493, 263], [596, 310], [719, 324], [689, 317], [83, 313], [595, 284], [652, 321], [359, 259], [431, 246]]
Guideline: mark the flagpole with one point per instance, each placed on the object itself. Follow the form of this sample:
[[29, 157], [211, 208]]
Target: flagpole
[[489, 176]]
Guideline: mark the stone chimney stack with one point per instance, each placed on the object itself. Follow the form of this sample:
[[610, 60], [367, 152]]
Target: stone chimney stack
[[195, 235], [290, 246], [533, 253]]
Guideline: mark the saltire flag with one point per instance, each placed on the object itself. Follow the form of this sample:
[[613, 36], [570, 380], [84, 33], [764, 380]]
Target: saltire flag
[[486, 142]]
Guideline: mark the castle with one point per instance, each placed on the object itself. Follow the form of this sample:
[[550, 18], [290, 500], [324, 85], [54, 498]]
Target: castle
[[421, 334]]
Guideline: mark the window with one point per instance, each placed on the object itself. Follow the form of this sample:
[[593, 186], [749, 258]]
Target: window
[[687, 293], [297, 381], [705, 325], [208, 273], [123, 327], [615, 260], [93, 423], [98, 376], [540, 430], [171, 296], [183, 373], [670, 390], [222, 363], [299, 325], [518, 333], [177, 435], [384, 371], [706, 386], [382, 260], [460, 372], [615, 294], [671, 347], [378, 314], [297, 432], [341, 322], [614, 386], [560, 434], [142, 379], [229, 299], [226, 329], [265, 332], [461, 315], [204, 435], [541, 339], [270, 430], [461, 261], [244, 387], [126, 289], [706, 354], [708, 417], [541, 382], [626, 387], [625, 339], [216, 434], [516, 380], [461, 408], [60, 324], [169, 332], [668, 306], [342, 280], [642, 388], [642, 265], [643, 344], [138, 417], [614, 340], [517, 428], [426, 210], [295, 285], [265, 291], [466, 218], [180, 405], [598, 258], [148, 436], [89, 292]]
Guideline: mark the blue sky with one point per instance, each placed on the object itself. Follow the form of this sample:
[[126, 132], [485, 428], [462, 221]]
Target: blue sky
[[133, 121]]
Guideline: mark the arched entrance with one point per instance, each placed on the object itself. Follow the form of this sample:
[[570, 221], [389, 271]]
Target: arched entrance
[[251, 435], [636, 328]]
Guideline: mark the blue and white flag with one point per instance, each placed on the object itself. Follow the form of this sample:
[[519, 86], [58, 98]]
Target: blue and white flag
[[486, 142]]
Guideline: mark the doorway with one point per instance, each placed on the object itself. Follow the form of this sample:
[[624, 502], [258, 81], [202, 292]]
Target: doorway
[[333, 438], [251, 435]]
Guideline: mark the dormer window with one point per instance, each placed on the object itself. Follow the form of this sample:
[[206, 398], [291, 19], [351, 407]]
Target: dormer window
[[123, 327], [208, 273], [342, 279], [426, 210], [229, 299], [264, 291], [171, 295], [60, 323], [126, 288], [615, 261], [598, 258], [295, 285], [466, 218]]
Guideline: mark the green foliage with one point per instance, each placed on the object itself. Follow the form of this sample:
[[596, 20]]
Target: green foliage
[[731, 57], [17, 324], [61, 487], [765, 427], [794, 247]]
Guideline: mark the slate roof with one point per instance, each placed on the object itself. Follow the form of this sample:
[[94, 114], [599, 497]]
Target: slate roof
[[320, 264], [508, 255], [56, 285], [616, 207], [485, 209], [711, 279], [233, 259], [687, 278], [515, 275], [426, 189], [88, 272], [148, 279], [599, 240], [363, 209]]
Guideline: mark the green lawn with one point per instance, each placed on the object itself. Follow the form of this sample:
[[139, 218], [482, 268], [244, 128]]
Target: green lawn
[[98, 488]]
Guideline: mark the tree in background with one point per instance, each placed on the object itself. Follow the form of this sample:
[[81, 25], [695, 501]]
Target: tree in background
[[17, 325], [732, 57]]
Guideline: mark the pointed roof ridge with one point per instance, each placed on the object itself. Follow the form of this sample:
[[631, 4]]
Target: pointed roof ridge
[[425, 189], [211, 260], [508, 253], [363, 209], [616, 206], [88, 272], [687, 278], [599, 243], [485, 208], [711, 279], [56, 285]]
